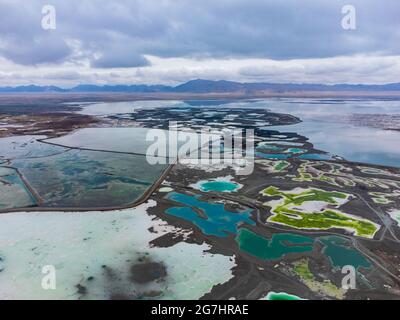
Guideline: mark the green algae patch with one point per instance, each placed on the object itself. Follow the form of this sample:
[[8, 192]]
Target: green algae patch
[[274, 166], [281, 165], [275, 248], [384, 198], [325, 288], [378, 171], [308, 209], [340, 175]]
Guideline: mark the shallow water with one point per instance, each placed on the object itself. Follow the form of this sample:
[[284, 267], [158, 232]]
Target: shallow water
[[322, 123], [132, 140], [114, 108], [327, 132], [13, 192], [89, 178], [128, 140], [22, 147], [274, 248]]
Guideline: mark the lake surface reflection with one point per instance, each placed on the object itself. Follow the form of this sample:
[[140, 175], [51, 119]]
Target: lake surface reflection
[[325, 122]]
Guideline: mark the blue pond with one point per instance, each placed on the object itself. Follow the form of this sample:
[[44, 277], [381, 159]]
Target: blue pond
[[273, 155], [315, 156], [213, 219], [219, 186]]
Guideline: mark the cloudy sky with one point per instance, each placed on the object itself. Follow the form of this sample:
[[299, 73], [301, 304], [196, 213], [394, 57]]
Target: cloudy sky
[[172, 41]]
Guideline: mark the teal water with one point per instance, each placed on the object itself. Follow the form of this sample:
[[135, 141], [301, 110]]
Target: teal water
[[315, 156], [273, 155], [340, 254], [213, 219], [13, 191], [269, 147], [296, 150], [219, 186], [281, 296], [16, 180], [287, 143], [275, 248]]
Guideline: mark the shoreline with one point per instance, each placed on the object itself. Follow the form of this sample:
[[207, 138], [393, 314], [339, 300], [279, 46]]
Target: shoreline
[[60, 98]]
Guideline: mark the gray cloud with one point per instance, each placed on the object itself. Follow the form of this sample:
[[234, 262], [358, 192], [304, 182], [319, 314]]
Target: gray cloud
[[36, 51], [110, 34], [258, 28]]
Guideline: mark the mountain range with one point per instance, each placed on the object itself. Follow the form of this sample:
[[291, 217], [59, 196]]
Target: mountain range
[[200, 86]]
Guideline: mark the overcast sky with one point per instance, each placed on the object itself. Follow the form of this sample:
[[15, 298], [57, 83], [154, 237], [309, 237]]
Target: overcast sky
[[172, 41]]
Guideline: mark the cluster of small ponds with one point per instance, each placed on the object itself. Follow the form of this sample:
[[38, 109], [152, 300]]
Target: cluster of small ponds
[[213, 219], [281, 149]]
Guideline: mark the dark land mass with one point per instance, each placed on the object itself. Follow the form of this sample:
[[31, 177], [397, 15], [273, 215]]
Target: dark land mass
[[49, 124], [311, 274], [207, 86]]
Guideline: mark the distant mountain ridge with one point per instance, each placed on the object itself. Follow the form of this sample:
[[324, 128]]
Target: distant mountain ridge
[[204, 86]]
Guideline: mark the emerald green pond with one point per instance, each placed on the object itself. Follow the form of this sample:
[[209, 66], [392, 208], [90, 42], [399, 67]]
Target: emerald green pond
[[281, 296], [213, 219], [275, 248], [340, 254]]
